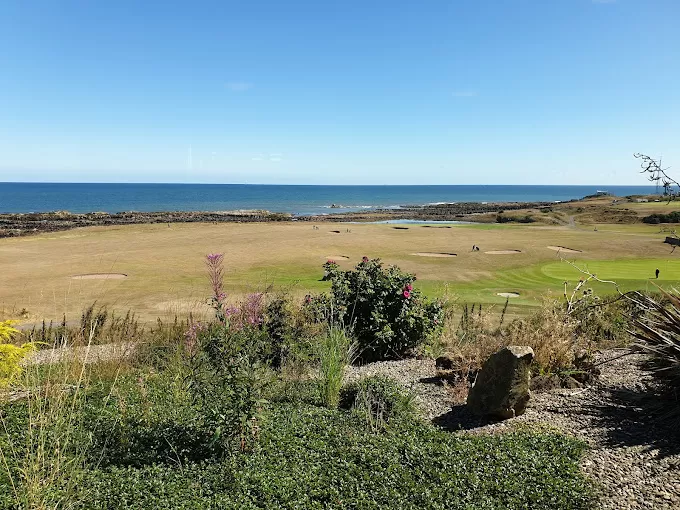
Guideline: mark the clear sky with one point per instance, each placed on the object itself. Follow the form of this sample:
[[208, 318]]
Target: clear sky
[[351, 92]]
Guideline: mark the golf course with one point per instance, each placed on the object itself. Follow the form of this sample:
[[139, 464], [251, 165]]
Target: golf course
[[158, 270]]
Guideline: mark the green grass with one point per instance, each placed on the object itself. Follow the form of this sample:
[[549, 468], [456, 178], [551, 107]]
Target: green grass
[[620, 269]]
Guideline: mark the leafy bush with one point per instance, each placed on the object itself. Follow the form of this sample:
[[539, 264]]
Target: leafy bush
[[378, 401], [11, 357], [386, 315], [656, 218], [228, 377]]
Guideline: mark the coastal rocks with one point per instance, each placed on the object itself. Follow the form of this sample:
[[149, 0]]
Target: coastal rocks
[[502, 386]]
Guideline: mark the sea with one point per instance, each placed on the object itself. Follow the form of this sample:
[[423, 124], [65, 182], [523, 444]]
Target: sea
[[301, 200]]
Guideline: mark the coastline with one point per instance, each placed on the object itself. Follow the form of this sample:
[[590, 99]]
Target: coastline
[[23, 224]]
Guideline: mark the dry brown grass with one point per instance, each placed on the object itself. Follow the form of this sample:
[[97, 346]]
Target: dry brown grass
[[549, 331], [166, 272]]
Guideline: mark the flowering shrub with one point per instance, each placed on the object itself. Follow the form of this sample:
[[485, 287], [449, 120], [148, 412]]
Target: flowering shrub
[[379, 305]]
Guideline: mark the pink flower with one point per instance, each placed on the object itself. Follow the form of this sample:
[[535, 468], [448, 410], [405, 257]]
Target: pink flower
[[407, 294], [409, 287], [364, 259], [331, 261]]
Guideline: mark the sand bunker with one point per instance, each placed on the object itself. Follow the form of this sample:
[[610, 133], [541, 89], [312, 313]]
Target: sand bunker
[[562, 248], [507, 294], [99, 276], [336, 257], [502, 252], [430, 254]]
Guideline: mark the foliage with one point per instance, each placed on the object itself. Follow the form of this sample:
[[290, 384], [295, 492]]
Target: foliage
[[386, 315], [312, 457], [500, 218], [656, 218], [228, 377], [378, 401], [7, 330], [658, 334], [336, 351], [11, 357]]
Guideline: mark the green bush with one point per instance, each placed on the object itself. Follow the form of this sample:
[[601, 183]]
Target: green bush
[[386, 315], [378, 401], [656, 218], [228, 375]]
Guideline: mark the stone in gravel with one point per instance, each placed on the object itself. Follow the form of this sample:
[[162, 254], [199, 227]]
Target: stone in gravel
[[502, 386], [545, 383]]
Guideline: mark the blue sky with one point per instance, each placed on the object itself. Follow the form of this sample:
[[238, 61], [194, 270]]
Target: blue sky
[[354, 92]]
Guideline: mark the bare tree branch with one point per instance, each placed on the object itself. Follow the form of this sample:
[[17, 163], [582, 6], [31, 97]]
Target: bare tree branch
[[655, 173]]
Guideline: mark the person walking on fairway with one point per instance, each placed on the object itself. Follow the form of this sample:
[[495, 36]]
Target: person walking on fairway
[[657, 273]]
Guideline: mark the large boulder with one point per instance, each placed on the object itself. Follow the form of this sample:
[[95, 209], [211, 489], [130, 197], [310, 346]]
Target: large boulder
[[502, 386]]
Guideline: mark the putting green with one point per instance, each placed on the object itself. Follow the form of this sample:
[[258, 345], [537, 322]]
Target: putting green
[[620, 269]]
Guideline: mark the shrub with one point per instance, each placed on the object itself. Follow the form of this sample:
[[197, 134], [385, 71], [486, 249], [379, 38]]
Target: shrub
[[386, 315], [656, 218], [7, 330], [11, 355], [378, 401], [658, 334], [228, 378]]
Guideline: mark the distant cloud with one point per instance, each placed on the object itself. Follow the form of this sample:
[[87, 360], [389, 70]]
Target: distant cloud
[[274, 157], [239, 86], [464, 93]]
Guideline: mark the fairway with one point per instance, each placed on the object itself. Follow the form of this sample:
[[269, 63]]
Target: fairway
[[627, 269], [163, 272]]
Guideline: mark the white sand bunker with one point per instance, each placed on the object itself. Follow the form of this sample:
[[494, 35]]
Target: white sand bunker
[[430, 254], [336, 257], [507, 294], [502, 252], [562, 248], [99, 276]]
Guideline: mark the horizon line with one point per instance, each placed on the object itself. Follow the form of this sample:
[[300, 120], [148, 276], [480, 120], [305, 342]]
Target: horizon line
[[294, 184]]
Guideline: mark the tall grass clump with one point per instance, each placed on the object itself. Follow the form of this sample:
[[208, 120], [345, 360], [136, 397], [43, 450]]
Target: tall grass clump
[[45, 440], [336, 351], [378, 401]]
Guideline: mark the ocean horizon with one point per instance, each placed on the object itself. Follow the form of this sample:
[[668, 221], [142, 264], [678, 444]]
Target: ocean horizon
[[298, 199]]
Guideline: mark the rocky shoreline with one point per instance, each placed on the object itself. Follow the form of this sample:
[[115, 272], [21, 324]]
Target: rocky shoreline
[[22, 224]]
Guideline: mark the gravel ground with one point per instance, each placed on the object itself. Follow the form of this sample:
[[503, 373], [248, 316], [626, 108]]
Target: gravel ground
[[633, 459]]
